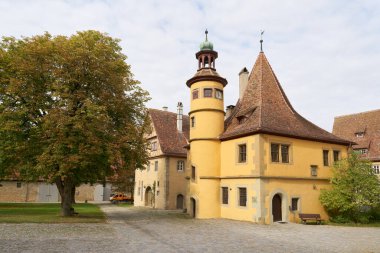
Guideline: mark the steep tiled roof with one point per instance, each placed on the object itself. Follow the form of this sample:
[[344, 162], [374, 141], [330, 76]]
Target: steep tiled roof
[[367, 123], [264, 108], [171, 141]]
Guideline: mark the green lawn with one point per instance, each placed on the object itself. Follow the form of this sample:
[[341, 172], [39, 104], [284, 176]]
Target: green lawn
[[48, 213]]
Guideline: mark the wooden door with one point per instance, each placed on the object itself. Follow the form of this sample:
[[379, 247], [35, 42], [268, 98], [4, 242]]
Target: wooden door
[[276, 208]]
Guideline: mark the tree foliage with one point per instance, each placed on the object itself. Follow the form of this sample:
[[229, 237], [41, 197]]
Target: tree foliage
[[70, 110], [355, 190]]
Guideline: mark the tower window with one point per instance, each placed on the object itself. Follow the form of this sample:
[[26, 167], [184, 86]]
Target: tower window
[[195, 94], [218, 94], [192, 173], [207, 93], [192, 121], [156, 166], [242, 153]]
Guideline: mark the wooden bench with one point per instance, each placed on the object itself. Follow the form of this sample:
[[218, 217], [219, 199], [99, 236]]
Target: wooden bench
[[310, 216]]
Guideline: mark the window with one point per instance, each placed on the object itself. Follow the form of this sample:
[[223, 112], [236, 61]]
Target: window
[[363, 151], [207, 93], [376, 169], [359, 134], [295, 204], [242, 196], [285, 153], [218, 94], [148, 167], [225, 195], [325, 158], [158, 193], [138, 192], [154, 146], [156, 166], [180, 165], [158, 183], [192, 173], [18, 184], [242, 119], [192, 121], [195, 94], [336, 154], [313, 170], [275, 152], [242, 153]]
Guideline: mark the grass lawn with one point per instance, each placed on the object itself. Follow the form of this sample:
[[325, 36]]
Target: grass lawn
[[48, 213]]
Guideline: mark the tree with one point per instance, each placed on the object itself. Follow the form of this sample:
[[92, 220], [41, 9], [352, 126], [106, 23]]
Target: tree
[[70, 111], [355, 190]]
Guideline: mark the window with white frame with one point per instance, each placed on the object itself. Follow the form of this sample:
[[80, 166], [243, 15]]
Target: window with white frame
[[154, 145], [180, 165], [376, 169]]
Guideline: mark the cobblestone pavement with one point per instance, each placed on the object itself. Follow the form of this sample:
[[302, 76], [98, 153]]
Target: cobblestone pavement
[[146, 230]]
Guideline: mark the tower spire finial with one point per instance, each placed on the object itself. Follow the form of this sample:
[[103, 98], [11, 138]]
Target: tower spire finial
[[261, 41], [206, 32]]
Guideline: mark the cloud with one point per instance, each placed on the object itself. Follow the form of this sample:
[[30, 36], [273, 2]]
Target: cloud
[[325, 53]]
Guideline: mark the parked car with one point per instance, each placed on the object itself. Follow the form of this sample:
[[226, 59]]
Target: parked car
[[120, 197]]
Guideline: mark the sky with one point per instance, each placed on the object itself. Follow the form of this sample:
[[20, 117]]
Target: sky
[[326, 54]]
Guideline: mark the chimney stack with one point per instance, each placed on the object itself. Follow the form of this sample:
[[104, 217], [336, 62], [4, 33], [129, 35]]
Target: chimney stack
[[179, 116], [165, 108], [243, 81], [229, 110]]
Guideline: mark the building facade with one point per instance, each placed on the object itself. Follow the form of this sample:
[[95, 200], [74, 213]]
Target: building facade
[[364, 130], [162, 183], [264, 162]]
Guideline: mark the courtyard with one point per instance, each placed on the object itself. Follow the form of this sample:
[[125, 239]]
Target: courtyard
[[147, 230]]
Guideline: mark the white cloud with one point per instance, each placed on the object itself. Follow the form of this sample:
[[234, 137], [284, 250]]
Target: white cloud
[[325, 53]]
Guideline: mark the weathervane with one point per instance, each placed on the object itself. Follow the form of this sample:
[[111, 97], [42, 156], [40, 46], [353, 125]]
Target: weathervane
[[261, 41], [206, 32]]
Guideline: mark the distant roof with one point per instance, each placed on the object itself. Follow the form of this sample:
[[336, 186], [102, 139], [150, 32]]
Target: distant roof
[[171, 141], [354, 125], [264, 108]]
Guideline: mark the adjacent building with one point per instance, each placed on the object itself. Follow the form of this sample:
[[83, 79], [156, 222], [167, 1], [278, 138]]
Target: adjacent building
[[264, 162], [162, 183], [364, 130]]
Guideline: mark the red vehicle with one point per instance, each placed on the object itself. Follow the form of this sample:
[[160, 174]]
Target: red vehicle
[[120, 197]]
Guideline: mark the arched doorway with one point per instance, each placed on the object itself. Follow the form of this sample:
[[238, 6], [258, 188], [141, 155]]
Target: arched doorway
[[179, 201], [193, 206], [276, 208], [148, 196]]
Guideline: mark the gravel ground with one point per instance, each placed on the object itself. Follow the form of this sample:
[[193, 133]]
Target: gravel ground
[[147, 230]]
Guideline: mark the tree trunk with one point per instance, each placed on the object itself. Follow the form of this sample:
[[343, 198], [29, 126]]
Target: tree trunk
[[73, 195], [65, 190]]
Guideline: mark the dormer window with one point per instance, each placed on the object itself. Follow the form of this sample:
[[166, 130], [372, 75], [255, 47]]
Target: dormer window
[[362, 151], [241, 119], [359, 134]]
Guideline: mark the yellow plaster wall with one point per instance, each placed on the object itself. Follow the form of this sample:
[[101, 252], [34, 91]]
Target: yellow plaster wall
[[177, 182], [303, 154]]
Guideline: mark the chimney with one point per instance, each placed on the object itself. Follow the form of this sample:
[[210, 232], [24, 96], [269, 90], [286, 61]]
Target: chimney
[[179, 116], [229, 110], [165, 108], [243, 81]]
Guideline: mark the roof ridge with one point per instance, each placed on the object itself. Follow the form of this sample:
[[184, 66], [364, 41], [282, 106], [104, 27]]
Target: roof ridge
[[353, 114]]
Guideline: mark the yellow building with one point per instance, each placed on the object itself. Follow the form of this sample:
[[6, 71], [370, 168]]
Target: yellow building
[[162, 183], [261, 161]]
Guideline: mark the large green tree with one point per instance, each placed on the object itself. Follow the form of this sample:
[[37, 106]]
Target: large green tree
[[355, 190], [70, 111]]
